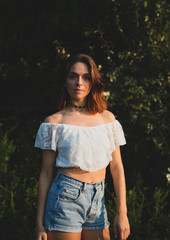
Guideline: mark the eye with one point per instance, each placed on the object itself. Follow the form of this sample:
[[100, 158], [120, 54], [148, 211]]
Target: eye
[[87, 78], [71, 76]]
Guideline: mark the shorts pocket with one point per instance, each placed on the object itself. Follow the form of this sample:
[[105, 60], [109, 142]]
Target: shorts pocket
[[69, 193]]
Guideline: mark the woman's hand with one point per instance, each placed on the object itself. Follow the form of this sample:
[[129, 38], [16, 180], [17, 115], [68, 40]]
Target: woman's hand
[[121, 226], [41, 233]]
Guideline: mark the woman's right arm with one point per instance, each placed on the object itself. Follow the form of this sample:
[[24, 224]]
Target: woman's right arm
[[45, 180]]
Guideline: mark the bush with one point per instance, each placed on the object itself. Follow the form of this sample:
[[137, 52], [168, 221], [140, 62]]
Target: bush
[[147, 212]]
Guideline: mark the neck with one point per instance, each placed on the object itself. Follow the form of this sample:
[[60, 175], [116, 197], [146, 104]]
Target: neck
[[78, 103], [77, 106]]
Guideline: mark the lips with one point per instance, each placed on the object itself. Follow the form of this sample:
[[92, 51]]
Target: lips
[[78, 90]]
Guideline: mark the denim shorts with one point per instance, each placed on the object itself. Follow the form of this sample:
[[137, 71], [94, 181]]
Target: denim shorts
[[73, 205]]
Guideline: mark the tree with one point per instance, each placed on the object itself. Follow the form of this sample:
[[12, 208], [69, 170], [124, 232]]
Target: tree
[[129, 40]]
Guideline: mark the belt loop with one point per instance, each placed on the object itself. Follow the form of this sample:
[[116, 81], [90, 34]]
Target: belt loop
[[57, 175], [102, 185], [84, 187]]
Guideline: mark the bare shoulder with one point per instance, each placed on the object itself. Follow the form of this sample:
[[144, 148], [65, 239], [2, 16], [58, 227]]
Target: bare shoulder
[[54, 118], [108, 116]]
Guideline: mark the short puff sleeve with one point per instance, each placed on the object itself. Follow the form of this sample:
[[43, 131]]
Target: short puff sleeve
[[47, 136], [118, 134]]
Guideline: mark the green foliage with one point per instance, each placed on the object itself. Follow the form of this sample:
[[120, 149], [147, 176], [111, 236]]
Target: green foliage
[[130, 42], [159, 215], [147, 211], [6, 191], [6, 149], [18, 192]]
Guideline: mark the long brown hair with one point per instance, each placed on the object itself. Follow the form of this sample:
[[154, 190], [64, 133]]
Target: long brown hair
[[95, 99]]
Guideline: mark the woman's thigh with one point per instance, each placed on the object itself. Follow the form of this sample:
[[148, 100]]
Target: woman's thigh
[[96, 234], [57, 235], [85, 235]]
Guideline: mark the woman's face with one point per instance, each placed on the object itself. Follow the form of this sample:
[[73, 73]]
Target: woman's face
[[78, 82]]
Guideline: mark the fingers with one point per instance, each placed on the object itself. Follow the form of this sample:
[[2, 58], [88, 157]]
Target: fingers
[[124, 234], [121, 227], [42, 236]]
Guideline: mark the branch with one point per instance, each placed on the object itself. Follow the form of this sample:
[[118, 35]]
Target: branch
[[3, 188]]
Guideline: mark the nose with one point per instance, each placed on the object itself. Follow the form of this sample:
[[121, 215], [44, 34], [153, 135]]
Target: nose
[[79, 81]]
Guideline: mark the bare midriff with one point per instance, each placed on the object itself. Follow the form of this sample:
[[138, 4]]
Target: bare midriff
[[79, 174]]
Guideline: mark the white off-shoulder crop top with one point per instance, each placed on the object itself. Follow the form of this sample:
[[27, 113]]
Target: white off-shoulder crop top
[[88, 148]]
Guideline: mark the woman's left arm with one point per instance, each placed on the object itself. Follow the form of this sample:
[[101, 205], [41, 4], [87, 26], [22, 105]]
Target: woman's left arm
[[121, 223]]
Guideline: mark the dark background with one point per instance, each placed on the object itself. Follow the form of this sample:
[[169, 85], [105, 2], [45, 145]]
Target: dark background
[[129, 41]]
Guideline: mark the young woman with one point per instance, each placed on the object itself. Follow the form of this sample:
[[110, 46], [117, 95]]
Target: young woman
[[80, 141]]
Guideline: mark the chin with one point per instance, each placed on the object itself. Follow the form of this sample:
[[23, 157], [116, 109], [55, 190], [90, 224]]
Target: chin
[[77, 98]]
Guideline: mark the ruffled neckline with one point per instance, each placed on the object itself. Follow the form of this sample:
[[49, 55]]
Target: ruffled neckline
[[78, 126]]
